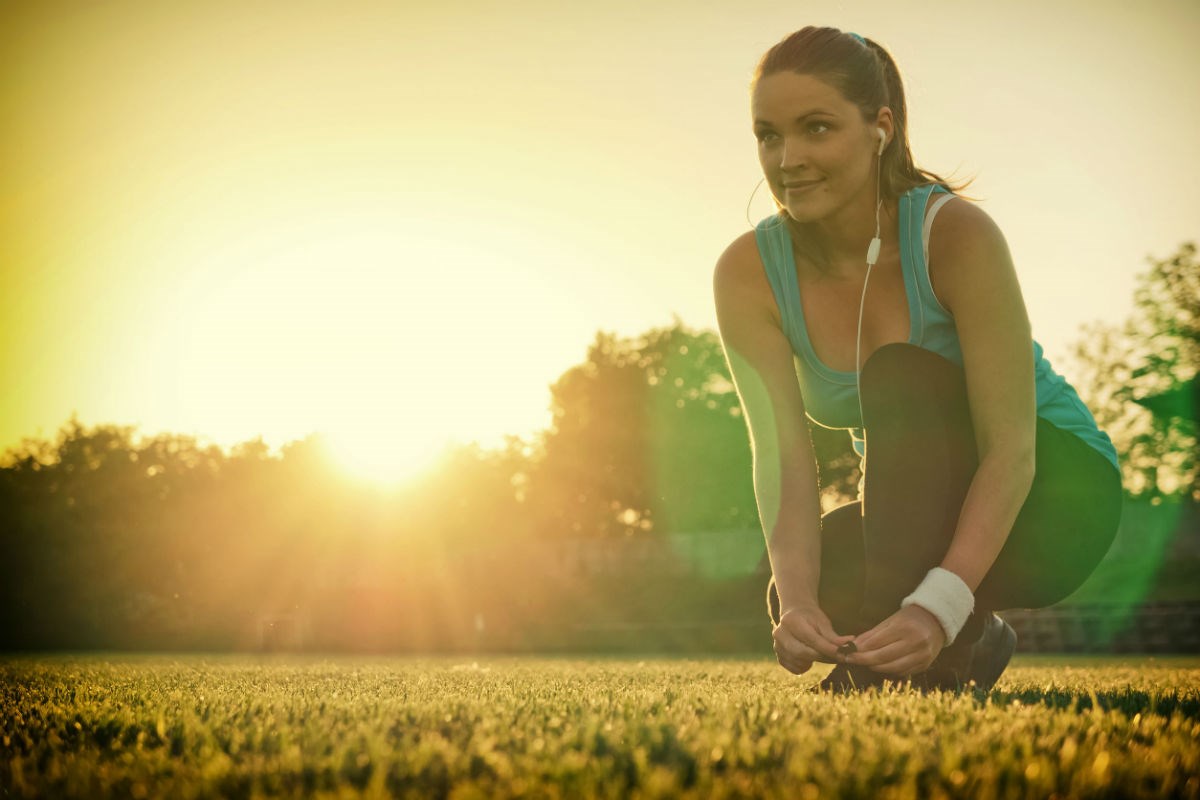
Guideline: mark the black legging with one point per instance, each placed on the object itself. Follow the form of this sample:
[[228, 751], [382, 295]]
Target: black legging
[[921, 457]]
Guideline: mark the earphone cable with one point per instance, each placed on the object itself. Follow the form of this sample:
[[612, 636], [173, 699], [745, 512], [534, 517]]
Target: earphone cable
[[862, 302], [751, 200]]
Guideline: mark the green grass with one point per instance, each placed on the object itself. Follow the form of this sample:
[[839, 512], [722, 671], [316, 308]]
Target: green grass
[[475, 727]]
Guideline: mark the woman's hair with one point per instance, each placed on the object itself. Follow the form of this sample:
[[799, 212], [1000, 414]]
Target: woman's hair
[[866, 75]]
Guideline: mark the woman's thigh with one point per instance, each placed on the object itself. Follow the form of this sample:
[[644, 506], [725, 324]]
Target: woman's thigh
[[1064, 529]]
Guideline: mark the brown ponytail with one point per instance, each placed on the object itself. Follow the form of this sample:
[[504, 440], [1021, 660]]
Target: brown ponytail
[[899, 172]]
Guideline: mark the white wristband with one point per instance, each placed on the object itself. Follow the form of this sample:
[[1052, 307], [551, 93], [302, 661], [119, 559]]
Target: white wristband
[[947, 597]]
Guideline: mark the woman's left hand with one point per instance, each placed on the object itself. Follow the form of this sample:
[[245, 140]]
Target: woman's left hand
[[905, 643]]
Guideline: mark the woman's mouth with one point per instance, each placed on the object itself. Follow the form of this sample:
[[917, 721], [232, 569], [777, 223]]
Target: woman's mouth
[[797, 187]]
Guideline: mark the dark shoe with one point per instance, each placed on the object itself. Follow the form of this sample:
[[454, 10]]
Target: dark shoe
[[980, 663], [848, 679], [955, 668], [950, 671], [939, 678], [963, 663], [991, 653]]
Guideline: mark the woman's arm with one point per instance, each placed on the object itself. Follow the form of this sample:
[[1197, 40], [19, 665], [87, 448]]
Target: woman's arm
[[974, 278], [976, 281], [785, 474]]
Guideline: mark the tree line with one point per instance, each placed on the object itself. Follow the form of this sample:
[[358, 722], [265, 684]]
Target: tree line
[[114, 540]]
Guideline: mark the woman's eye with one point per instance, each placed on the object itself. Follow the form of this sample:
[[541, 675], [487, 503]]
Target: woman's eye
[[766, 137], [818, 127]]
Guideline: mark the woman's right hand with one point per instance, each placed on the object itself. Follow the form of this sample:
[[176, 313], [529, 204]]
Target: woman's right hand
[[805, 635]]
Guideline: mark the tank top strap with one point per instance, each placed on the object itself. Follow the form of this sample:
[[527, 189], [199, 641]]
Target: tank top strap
[[774, 245], [923, 307]]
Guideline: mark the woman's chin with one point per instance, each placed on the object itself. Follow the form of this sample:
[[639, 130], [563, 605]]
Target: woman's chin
[[802, 215]]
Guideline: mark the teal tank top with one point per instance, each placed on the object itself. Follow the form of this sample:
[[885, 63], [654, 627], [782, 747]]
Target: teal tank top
[[831, 396]]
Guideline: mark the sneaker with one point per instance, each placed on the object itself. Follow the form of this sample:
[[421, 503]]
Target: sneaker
[[848, 679], [991, 654], [980, 662], [955, 668], [950, 671]]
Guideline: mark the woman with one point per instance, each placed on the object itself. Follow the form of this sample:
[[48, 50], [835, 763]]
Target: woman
[[986, 482]]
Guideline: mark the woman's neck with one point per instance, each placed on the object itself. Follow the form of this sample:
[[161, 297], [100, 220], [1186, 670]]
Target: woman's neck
[[845, 237]]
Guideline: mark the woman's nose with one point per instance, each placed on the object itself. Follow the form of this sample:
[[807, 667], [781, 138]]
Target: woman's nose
[[791, 154]]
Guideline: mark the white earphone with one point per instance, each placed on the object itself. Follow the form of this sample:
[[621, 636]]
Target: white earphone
[[872, 257], [873, 249]]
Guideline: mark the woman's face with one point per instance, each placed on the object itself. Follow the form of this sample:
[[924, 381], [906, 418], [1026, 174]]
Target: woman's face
[[816, 151]]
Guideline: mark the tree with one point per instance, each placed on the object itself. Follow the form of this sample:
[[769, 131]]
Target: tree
[[1139, 379], [647, 434]]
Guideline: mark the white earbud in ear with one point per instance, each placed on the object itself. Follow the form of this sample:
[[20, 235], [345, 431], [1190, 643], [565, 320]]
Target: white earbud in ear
[[876, 243]]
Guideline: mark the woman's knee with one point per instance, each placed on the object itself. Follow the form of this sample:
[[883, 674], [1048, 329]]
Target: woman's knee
[[906, 382], [900, 364], [890, 362], [843, 521]]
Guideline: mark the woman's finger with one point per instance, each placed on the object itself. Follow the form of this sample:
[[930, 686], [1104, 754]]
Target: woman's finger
[[881, 655], [790, 661], [905, 665], [796, 667], [805, 631], [878, 637], [823, 638], [786, 643], [826, 629]]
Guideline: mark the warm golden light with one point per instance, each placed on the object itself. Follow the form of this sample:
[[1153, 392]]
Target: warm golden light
[[382, 457], [248, 222], [347, 324]]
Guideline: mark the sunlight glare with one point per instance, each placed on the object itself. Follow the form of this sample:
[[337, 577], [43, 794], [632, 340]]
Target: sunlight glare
[[369, 454]]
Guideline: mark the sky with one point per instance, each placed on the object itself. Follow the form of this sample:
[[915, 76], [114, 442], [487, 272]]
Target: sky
[[398, 223]]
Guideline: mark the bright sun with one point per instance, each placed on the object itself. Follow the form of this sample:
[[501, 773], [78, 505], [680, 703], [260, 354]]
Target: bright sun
[[382, 460]]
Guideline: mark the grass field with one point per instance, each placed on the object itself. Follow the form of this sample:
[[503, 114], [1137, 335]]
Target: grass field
[[238, 726]]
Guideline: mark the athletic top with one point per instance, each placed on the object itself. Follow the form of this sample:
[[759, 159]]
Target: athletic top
[[831, 396]]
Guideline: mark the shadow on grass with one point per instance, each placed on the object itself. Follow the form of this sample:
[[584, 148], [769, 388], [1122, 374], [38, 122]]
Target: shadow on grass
[[1128, 701]]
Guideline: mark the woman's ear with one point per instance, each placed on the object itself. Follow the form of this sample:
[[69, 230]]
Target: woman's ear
[[884, 122]]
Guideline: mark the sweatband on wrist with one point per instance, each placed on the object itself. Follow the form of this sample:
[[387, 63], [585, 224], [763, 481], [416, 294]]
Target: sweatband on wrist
[[947, 597]]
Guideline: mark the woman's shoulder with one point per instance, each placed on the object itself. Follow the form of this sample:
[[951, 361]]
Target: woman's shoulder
[[960, 227], [741, 264], [740, 284], [745, 258], [967, 250]]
